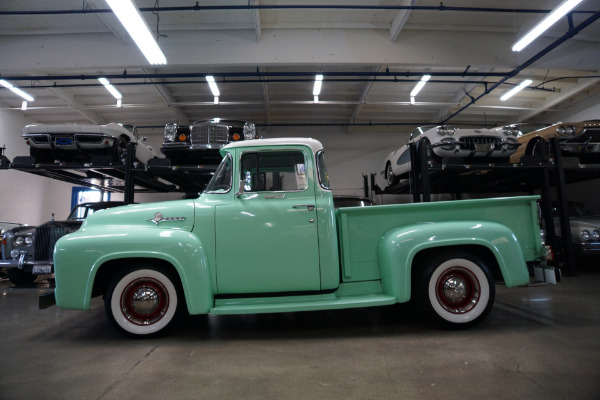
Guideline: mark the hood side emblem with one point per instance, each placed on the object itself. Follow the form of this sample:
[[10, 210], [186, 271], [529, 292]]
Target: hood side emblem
[[158, 218]]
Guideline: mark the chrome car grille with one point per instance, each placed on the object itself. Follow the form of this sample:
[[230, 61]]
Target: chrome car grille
[[209, 134], [470, 142], [45, 239]]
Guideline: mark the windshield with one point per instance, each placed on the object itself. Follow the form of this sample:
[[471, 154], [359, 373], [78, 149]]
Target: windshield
[[221, 180]]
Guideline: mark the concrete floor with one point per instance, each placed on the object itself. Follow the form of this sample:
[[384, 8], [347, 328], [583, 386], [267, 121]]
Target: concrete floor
[[538, 343]]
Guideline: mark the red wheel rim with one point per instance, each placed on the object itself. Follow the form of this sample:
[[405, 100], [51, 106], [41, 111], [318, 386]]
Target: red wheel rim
[[144, 301], [458, 290]]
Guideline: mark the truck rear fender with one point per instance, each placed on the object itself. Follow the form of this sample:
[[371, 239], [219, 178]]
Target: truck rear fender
[[398, 248], [187, 258]]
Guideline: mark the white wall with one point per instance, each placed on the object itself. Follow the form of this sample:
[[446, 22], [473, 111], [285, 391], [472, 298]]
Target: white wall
[[31, 199]]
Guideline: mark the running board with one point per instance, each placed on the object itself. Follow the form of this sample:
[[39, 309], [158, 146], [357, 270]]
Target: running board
[[283, 304]]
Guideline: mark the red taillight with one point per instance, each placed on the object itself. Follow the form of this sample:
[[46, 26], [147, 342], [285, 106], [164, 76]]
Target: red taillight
[[549, 254]]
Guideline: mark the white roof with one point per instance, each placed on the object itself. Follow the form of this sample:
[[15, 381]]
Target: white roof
[[314, 144]]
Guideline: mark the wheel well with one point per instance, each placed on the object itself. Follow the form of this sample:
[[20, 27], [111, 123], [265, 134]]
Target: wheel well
[[109, 269], [422, 258], [532, 143]]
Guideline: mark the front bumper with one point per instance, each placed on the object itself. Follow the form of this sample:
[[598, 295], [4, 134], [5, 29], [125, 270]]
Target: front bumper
[[461, 149], [586, 248], [34, 267]]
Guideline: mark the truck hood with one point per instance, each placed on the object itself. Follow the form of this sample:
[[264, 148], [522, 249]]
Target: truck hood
[[178, 214]]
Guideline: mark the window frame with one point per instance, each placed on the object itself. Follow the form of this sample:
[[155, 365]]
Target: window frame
[[263, 151]]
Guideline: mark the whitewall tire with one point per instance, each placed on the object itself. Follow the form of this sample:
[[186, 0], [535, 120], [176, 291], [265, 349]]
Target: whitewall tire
[[456, 290], [141, 301]]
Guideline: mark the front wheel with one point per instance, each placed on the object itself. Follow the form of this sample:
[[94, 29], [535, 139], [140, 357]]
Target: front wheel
[[456, 290], [141, 301]]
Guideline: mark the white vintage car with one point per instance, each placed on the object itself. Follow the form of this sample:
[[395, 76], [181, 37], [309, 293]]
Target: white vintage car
[[79, 142], [449, 142]]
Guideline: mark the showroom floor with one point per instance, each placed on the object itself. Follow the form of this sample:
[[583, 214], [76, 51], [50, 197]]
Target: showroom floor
[[539, 342]]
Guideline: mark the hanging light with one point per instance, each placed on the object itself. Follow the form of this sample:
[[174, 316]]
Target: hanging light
[[516, 89]]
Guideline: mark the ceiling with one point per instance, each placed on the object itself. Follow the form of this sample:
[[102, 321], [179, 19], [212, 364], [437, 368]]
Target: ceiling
[[264, 55]]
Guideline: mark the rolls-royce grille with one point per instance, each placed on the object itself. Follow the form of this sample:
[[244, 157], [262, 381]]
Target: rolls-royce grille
[[470, 142], [45, 239], [209, 134]]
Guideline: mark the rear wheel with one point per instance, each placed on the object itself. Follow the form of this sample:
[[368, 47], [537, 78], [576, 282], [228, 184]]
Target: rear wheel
[[141, 301], [390, 178], [456, 290]]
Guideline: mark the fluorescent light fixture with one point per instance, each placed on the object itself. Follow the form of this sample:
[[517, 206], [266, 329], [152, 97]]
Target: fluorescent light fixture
[[119, 103], [24, 105], [15, 90], [213, 85], [563, 9], [412, 100], [111, 88], [318, 84], [216, 100], [420, 85], [316, 99], [516, 89], [129, 15]]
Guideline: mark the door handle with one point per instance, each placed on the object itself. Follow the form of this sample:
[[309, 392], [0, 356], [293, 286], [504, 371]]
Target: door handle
[[309, 206]]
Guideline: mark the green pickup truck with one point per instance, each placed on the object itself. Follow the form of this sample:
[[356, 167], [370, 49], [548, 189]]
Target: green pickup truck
[[265, 237]]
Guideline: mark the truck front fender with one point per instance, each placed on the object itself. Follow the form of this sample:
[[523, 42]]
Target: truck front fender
[[398, 247], [182, 249]]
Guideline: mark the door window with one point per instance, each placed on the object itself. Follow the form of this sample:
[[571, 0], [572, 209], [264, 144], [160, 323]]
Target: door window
[[280, 171]]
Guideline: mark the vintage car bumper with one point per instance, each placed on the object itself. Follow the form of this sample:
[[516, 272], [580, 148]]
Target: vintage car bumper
[[34, 267], [176, 147], [465, 148], [586, 248], [70, 142]]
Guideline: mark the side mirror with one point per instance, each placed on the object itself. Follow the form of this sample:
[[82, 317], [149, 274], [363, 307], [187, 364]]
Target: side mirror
[[240, 188]]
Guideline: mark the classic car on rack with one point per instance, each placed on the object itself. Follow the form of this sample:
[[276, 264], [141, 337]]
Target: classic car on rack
[[451, 142], [199, 143], [575, 139], [27, 250], [585, 228], [79, 142]]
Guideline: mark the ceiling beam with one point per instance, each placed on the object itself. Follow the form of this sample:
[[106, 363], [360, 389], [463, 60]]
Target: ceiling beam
[[582, 84], [168, 98], [256, 19], [400, 20], [117, 29], [364, 95]]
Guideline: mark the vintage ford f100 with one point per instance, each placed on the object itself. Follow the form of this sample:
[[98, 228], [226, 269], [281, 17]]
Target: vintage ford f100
[[264, 237]]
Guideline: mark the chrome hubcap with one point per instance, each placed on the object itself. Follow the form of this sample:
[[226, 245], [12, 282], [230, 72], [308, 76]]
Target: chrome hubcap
[[455, 289], [458, 290], [144, 301]]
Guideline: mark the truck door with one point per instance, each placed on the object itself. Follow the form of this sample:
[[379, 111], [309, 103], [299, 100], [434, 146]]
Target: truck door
[[267, 237]]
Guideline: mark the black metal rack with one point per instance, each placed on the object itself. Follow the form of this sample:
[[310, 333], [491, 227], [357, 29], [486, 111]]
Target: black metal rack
[[542, 173], [130, 177]]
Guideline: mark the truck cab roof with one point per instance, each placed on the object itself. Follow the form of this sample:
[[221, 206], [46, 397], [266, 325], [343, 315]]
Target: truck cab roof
[[314, 144]]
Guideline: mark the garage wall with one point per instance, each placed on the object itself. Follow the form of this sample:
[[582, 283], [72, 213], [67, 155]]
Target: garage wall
[[31, 199]]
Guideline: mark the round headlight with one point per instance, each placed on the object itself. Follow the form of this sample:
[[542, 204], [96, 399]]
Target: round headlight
[[561, 130], [249, 131], [14, 254], [596, 235], [570, 130], [586, 235], [28, 240], [19, 241], [170, 132]]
